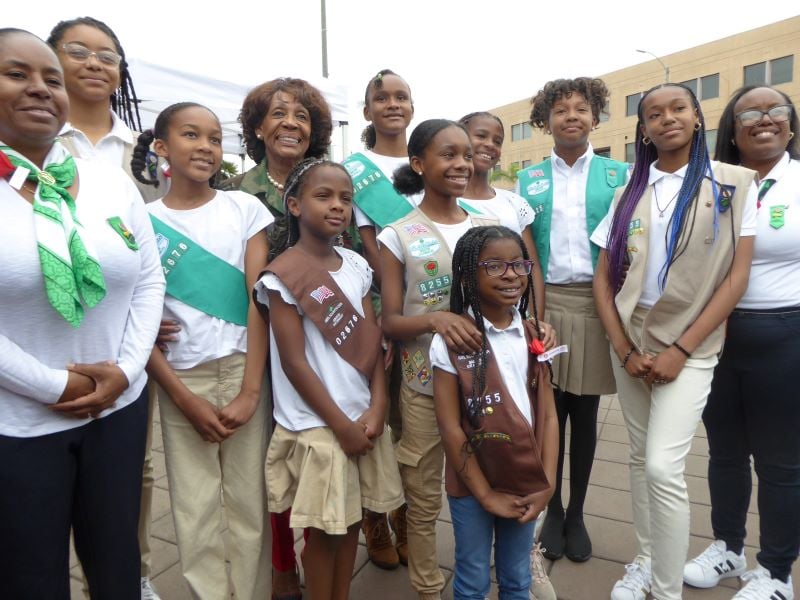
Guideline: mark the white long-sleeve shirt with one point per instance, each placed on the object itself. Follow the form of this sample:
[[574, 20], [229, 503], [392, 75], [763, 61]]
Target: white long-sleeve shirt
[[36, 343]]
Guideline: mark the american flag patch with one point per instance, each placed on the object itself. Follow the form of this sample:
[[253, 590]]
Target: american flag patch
[[415, 229], [321, 294], [537, 173]]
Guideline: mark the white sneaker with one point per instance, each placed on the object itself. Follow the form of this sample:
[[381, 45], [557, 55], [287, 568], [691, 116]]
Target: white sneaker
[[635, 584], [148, 591], [761, 586], [541, 588], [714, 564]]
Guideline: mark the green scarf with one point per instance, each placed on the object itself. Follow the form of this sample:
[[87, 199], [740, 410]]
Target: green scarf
[[69, 264]]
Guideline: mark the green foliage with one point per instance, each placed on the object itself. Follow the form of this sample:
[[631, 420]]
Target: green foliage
[[509, 174], [228, 169]]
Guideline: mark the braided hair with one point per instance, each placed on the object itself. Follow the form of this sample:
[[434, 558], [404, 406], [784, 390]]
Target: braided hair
[[123, 101], [481, 113], [406, 180], [681, 224], [465, 295], [369, 136], [295, 181]]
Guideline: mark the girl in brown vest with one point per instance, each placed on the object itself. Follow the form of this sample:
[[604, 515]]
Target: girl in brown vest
[[497, 416], [683, 228]]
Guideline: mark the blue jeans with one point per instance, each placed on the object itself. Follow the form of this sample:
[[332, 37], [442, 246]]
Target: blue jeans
[[474, 528]]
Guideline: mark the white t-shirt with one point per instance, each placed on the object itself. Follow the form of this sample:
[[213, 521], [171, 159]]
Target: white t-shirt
[[110, 148], [775, 273], [450, 233], [36, 343], [348, 388], [666, 187], [511, 354], [512, 210], [388, 165], [221, 226]]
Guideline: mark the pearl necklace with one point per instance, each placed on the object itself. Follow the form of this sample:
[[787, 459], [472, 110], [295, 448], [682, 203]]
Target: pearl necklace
[[279, 186]]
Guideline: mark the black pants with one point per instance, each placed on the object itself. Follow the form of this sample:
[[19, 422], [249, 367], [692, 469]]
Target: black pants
[[88, 478], [754, 409]]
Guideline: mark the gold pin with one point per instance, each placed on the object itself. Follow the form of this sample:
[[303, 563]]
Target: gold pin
[[489, 410]]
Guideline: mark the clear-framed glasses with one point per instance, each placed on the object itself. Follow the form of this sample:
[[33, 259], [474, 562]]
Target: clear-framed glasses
[[753, 116], [498, 268], [81, 53]]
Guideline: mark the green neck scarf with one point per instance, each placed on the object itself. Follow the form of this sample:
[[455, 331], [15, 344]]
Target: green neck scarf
[[72, 274]]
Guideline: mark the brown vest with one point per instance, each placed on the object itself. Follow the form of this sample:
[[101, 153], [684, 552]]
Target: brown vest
[[507, 449], [695, 274], [355, 339], [429, 275]]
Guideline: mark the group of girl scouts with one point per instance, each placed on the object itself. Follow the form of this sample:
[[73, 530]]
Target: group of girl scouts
[[405, 318]]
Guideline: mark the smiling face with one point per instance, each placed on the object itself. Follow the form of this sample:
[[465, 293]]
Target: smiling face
[[486, 136], [669, 119], [571, 121], [33, 101], [498, 294], [194, 144], [446, 163], [324, 203], [767, 140], [389, 107], [88, 81], [285, 129]]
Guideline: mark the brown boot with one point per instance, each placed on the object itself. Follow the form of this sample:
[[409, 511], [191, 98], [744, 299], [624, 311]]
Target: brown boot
[[379, 540], [286, 585], [397, 519]]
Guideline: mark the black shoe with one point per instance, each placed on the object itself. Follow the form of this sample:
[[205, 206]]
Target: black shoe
[[551, 537], [578, 546]]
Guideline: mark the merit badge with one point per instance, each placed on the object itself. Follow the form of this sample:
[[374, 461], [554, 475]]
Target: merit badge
[[537, 173], [408, 373], [724, 196], [424, 376], [355, 168], [538, 187], [415, 229], [419, 359], [431, 267], [125, 233], [321, 294], [424, 247], [777, 216], [162, 244], [635, 227]]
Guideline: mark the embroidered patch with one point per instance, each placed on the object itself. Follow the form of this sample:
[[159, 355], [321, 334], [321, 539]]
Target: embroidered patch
[[419, 359], [724, 196], [334, 315], [538, 187], [437, 283], [321, 294], [408, 373], [162, 244], [355, 168], [118, 226], [431, 267], [635, 228], [424, 376], [416, 229], [537, 173], [424, 247], [777, 216]]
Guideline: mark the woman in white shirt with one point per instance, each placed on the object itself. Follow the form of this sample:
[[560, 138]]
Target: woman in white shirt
[[81, 289]]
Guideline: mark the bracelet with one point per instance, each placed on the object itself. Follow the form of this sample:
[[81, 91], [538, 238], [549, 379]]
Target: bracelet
[[627, 356], [685, 352]]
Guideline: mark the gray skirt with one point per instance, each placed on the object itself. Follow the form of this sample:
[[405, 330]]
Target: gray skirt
[[586, 368]]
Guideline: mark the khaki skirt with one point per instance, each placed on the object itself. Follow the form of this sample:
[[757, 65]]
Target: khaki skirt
[[586, 368], [308, 472]]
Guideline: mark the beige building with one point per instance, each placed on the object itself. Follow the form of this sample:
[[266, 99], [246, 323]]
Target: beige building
[[714, 71]]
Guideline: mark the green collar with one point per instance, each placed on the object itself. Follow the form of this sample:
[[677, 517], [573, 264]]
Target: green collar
[[255, 182]]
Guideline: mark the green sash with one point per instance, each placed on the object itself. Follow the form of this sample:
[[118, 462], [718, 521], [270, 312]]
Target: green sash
[[536, 186], [375, 194], [205, 282]]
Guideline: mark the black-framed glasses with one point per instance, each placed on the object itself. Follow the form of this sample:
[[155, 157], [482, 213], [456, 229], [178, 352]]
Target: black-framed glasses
[[753, 116], [498, 268], [81, 53]]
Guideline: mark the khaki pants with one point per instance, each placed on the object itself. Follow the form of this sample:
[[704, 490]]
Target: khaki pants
[[421, 457], [145, 512], [198, 471], [661, 423]]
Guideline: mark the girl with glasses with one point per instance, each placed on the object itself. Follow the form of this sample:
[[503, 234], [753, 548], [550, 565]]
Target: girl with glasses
[[487, 401], [678, 242], [752, 408]]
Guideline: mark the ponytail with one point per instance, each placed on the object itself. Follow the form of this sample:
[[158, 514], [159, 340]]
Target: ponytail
[[407, 181], [140, 161]]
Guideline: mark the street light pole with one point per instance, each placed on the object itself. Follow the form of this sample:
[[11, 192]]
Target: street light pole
[[661, 62], [324, 40]]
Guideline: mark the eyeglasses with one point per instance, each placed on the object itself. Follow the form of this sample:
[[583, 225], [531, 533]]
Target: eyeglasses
[[82, 53], [777, 114], [498, 268]]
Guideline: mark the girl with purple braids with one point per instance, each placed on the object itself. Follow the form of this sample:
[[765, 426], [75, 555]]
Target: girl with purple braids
[[678, 242]]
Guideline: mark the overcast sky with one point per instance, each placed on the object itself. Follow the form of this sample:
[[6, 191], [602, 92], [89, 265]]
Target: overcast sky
[[458, 56]]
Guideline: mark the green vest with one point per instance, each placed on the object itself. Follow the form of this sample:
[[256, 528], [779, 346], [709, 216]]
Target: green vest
[[536, 186]]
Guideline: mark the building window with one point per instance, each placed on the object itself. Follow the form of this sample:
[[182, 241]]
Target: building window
[[770, 72], [632, 104], [711, 140], [630, 153], [605, 114], [526, 163], [704, 87], [520, 131], [603, 152]]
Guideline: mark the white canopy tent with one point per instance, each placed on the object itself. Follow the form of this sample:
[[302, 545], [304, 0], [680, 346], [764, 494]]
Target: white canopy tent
[[158, 86]]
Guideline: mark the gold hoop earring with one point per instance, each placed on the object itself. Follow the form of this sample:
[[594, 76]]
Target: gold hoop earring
[[791, 134], [646, 140]]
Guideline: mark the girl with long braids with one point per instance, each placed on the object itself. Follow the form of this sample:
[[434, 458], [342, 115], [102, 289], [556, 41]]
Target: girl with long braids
[[329, 456], [488, 402], [683, 229]]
